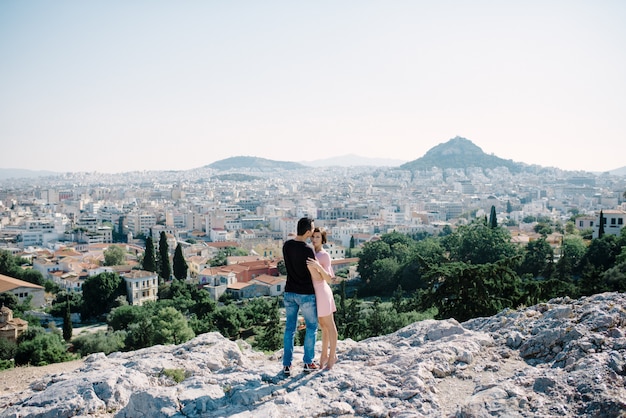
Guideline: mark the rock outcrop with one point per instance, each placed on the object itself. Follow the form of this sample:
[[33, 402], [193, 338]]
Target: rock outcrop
[[561, 358]]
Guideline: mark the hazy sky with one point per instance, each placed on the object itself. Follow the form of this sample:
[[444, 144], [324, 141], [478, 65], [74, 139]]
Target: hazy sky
[[127, 85]]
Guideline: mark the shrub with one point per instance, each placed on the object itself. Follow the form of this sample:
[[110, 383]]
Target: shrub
[[7, 349], [44, 348], [177, 375], [99, 342]]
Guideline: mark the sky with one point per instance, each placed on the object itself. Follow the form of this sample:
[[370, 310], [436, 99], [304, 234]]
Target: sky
[[115, 86]]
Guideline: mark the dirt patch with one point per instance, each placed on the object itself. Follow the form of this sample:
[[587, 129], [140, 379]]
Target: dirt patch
[[17, 380]]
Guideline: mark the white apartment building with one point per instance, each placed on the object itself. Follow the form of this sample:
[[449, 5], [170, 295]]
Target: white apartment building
[[343, 233], [88, 223], [36, 232], [141, 286], [176, 219], [216, 282], [140, 223]]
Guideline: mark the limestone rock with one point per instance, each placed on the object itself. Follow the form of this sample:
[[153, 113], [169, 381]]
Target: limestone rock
[[562, 358]]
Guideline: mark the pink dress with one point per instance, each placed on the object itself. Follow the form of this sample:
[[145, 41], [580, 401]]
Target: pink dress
[[323, 293]]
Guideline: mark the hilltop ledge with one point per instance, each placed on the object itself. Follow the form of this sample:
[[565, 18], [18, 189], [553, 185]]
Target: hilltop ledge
[[561, 358]]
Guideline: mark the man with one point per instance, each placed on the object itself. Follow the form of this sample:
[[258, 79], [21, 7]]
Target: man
[[299, 295]]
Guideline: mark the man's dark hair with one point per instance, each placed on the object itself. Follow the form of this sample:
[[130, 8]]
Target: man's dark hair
[[304, 224]]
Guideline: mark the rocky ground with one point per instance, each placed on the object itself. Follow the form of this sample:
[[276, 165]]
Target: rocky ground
[[561, 358], [19, 379]]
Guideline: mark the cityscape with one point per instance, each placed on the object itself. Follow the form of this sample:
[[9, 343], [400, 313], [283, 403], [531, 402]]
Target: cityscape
[[63, 223]]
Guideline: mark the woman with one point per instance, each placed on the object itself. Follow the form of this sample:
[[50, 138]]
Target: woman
[[322, 273]]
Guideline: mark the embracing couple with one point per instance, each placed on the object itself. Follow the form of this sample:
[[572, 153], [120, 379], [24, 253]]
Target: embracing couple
[[308, 273]]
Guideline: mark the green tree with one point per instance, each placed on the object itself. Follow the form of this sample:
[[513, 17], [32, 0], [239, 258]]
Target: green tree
[[537, 258], [570, 228], [8, 348], [67, 322], [370, 254], [149, 258], [121, 317], [463, 291], [573, 250], [114, 256], [271, 338], [204, 305], [590, 282], [39, 348], [282, 270], [353, 325], [59, 304], [9, 300], [601, 224], [615, 278], [381, 262], [228, 320], [100, 293], [375, 320], [428, 251], [9, 265], [384, 276], [602, 252], [543, 228], [32, 276], [179, 263], [493, 219], [340, 315], [397, 299], [165, 268], [171, 327], [477, 243], [140, 334]]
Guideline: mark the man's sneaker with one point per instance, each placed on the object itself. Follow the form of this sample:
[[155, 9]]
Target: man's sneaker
[[287, 370], [308, 368]]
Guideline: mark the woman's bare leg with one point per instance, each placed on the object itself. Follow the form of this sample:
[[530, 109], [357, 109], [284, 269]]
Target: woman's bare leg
[[325, 342], [329, 340], [331, 329]]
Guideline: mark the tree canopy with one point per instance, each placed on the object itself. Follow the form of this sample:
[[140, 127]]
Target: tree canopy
[[114, 256], [100, 293]]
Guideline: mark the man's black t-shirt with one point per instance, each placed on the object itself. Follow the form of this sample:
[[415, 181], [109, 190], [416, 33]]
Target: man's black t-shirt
[[295, 254]]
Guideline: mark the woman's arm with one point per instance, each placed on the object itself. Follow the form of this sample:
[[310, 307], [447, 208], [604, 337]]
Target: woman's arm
[[317, 271]]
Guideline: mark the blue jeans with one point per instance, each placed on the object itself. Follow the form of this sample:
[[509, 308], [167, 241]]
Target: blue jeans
[[293, 303]]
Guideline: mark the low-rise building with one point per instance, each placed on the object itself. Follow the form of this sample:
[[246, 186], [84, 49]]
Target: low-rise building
[[23, 290], [141, 286], [613, 222]]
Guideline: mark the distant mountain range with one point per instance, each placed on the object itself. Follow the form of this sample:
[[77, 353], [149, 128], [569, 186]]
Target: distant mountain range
[[19, 173], [458, 152], [255, 163]]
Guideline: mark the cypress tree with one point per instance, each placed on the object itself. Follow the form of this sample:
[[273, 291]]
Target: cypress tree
[[67, 322], [164, 257], [149, 258], [493, 219], [601, 226], [180, 264]]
